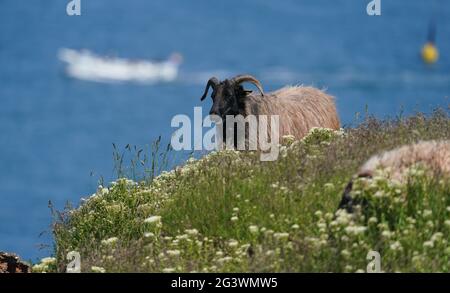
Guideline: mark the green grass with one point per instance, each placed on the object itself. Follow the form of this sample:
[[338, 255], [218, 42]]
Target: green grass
[[229, 212]]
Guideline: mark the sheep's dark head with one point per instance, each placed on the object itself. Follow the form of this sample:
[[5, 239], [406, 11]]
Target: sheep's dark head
[[228, 96]]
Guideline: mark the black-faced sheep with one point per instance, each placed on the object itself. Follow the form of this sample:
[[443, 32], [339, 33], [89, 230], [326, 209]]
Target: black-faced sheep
[[299, 108], [433, 156]]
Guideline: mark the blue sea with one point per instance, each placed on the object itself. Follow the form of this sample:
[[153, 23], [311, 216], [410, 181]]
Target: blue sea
[[56, 133]]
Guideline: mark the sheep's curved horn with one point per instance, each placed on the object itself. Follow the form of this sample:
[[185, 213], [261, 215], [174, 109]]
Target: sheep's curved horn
[[212, 82], [248, 78]]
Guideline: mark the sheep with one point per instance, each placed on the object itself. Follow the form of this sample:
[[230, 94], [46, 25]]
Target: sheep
[[433, 156], [299, 108]]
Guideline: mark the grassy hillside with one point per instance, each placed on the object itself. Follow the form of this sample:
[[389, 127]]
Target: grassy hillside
[[229, 212]]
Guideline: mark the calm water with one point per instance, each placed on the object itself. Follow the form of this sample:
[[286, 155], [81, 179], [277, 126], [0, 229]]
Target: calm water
[[54, 130]]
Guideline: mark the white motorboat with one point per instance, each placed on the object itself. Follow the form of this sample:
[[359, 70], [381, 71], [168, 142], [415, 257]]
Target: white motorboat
[[88, 66]]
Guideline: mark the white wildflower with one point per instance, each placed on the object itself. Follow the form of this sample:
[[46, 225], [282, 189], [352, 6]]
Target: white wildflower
[[253, 229], [149, 235], [318, 214], [168, 270], [348, 268], [281, 236], [110, 241], [192, 232], [447, 223], [333, 223], [287, 139], [268, 232], [428, 244], [355, 230], [173, 252], [343, 218], [182, 237], [396, 246], [387, 234], [270, 252], [411, 220], [96, 269], [345, 238], [437, 237], [345, 253], [153, 220], [103, 191], [379, 194], [321, 225], [329, 186], [427, 213], [373, 220], [48, 261], [225, 259]]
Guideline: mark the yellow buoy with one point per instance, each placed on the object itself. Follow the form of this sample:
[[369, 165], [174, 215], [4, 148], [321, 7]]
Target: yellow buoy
[[430, 53]]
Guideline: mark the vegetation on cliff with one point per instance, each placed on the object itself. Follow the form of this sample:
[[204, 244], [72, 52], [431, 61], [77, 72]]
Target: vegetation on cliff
[[230, 212]]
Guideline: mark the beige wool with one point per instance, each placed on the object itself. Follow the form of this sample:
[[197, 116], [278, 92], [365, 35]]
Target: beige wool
[[433, 155], [299, 108]]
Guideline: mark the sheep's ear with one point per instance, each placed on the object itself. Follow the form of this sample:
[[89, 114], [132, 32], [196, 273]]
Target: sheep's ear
[[241, 92]]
